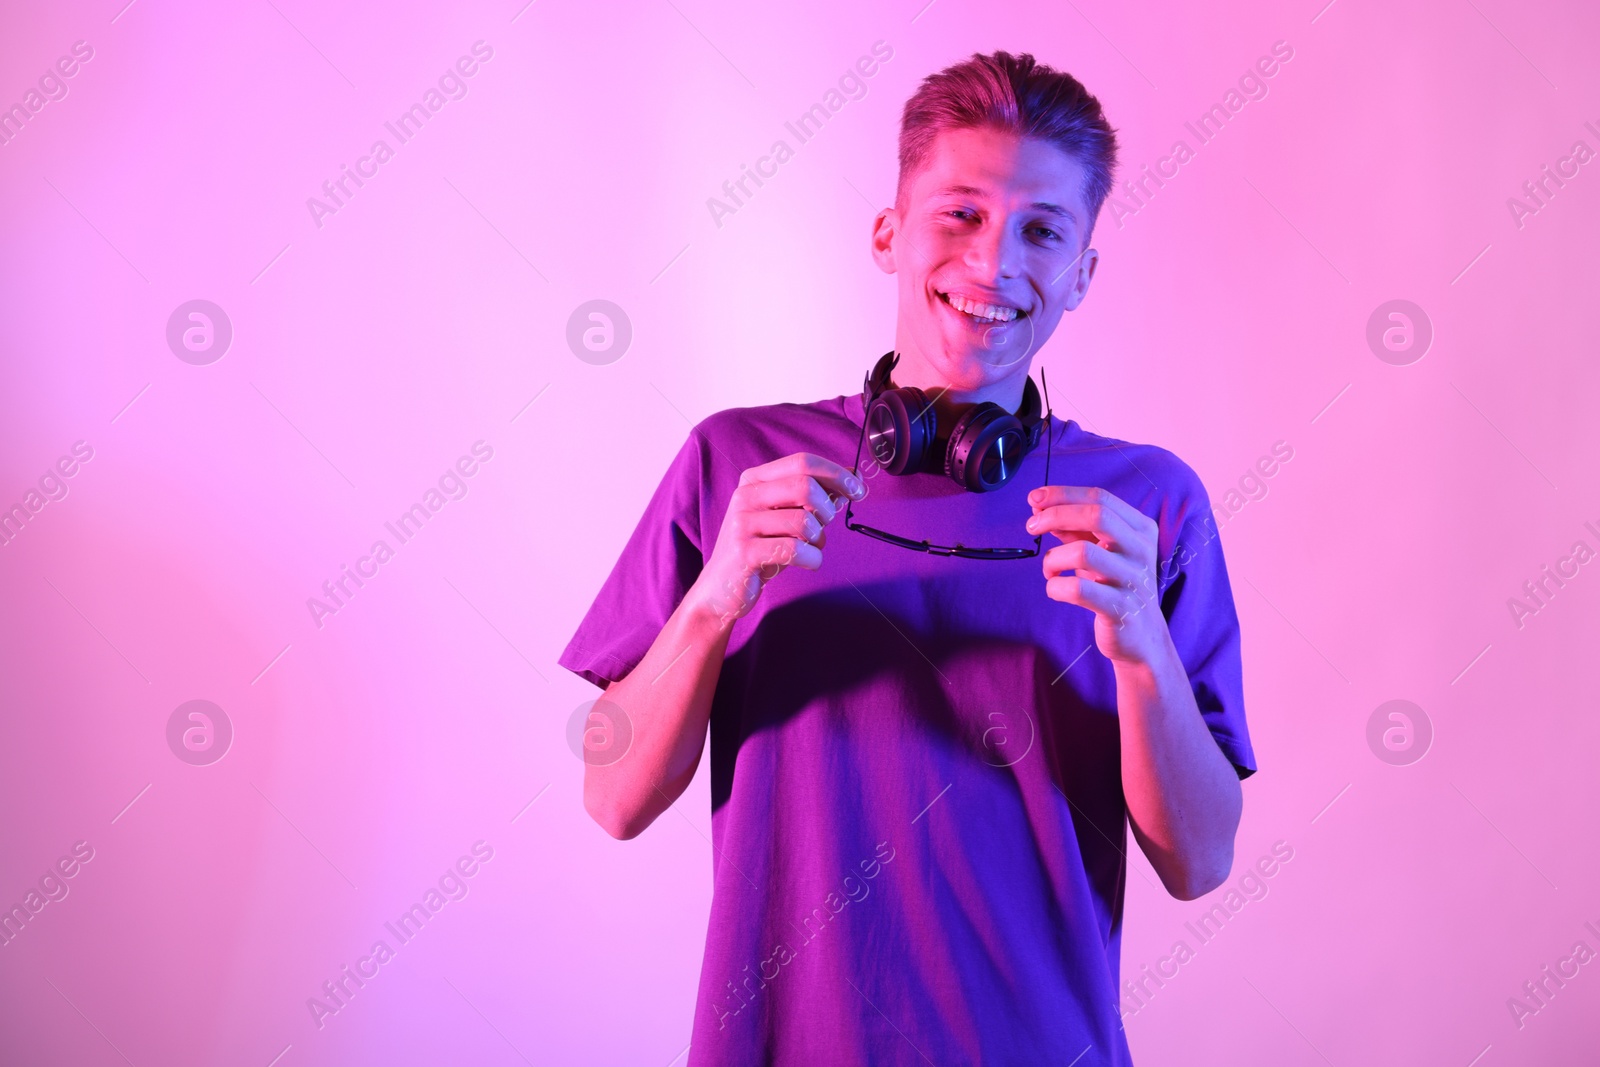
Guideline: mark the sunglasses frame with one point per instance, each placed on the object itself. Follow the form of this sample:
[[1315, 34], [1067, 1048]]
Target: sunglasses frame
[[957, 549]]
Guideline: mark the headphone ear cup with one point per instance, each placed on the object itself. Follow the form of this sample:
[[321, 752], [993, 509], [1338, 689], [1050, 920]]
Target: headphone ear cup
[[901, 426], [986, 448]]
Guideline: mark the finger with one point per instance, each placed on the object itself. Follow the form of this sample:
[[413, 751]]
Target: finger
[[1092, 561], [1071, 589], [1087, 557], [835, 478], [1055, 495], [793, 491], [782, 522], [1070, 535], [1094, 520], [806, 557], [769, 555]]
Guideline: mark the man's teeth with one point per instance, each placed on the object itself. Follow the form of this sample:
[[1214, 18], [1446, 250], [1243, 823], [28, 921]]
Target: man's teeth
[[989, 312]]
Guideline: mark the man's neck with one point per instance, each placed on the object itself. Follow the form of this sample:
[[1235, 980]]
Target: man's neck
[[914, 371]]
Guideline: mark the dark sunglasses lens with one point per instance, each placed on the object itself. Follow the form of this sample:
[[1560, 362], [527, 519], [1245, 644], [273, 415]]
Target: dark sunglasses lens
[[924, 546], [903, 542], [994, 553]]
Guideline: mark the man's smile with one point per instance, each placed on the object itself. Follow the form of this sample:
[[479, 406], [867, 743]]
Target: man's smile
[[982, 311]]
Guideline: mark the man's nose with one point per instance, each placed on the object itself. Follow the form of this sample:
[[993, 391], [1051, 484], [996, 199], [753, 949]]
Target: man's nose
[[996, 251]]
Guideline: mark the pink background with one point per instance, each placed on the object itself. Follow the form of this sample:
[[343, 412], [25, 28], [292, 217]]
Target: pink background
[[369, 353]]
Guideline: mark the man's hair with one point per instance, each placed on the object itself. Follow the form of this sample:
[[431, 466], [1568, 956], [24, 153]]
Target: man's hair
[[1017, 94]]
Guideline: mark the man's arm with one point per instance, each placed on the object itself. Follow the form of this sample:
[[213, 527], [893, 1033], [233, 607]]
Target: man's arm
[[775, 519], [666, 704], [1183, 795]]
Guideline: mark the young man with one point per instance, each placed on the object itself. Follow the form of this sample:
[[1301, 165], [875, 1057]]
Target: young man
[[923, 752]]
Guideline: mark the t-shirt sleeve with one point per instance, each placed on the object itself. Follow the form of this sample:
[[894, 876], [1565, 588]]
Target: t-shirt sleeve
[[1197, 601], [660, 562]]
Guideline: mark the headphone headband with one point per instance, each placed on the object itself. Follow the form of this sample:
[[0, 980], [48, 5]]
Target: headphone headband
[[1031, 415]]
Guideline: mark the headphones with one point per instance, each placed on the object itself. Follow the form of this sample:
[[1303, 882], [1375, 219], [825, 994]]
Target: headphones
[[982, 451]]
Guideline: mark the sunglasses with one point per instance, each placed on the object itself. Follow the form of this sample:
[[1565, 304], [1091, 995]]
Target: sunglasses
[[963, 551]]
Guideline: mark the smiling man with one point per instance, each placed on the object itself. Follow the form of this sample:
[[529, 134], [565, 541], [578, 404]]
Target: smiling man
[[924, 753]]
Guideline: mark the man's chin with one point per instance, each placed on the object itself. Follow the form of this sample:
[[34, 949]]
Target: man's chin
[[986, 358], [969, 367]]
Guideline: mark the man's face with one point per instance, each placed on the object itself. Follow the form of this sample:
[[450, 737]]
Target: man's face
[[989, 245]]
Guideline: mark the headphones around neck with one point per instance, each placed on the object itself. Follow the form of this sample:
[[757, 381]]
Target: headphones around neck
[[983, 449]]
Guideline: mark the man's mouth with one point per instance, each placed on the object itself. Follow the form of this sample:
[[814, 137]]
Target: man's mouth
[[981, 311]]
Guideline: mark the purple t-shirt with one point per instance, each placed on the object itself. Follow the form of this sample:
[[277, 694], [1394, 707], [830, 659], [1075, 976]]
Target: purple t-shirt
[[917, 807]]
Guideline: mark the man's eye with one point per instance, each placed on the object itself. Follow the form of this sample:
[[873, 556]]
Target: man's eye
[[1047, 233], [961, 213]]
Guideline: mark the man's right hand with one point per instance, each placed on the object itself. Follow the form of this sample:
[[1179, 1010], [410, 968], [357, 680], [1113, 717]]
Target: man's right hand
[[776, 518]]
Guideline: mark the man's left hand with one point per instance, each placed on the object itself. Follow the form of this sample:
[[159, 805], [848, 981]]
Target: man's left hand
[[1110, 546]]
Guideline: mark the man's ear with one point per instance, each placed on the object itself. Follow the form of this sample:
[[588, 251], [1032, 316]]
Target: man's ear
[[884, 228], [1082, 273]]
